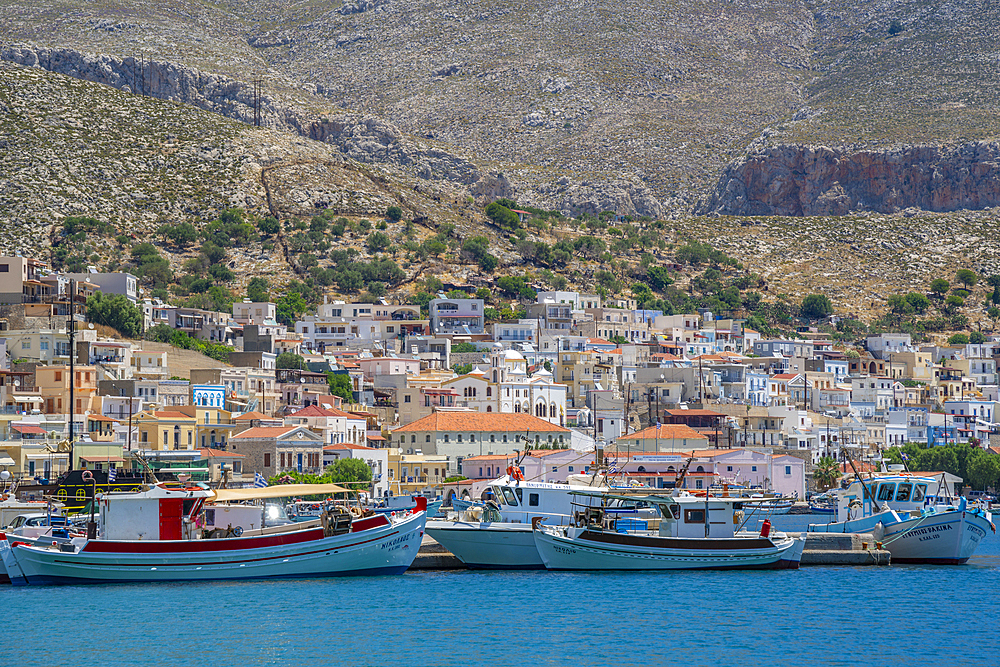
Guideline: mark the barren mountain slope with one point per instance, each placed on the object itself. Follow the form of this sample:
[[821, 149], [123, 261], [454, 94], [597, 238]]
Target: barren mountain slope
[[593, 104], [72, 147]]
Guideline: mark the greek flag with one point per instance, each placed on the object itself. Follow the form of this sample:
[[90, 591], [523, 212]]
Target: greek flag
[[905, 457], [258, 481], [657, 426], [614, 467], [112, 473]]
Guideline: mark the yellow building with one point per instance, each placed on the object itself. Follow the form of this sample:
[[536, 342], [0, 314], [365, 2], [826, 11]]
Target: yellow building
[[165, 429], [415, 473], [185, 427]]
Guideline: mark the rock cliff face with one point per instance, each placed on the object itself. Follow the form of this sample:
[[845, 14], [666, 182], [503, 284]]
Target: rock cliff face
[[362, 138], [794, 180]]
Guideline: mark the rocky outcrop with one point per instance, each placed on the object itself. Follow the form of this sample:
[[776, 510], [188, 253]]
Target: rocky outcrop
[[792, 180], [362, 138], [622, 196]]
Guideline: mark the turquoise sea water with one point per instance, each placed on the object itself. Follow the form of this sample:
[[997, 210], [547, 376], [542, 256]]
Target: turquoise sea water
[[912, 615]]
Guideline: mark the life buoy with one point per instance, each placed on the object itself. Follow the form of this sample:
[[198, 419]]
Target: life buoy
[[510, 471]]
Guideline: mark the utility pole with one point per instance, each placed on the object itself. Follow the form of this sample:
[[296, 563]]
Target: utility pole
[[72, 366], [701, 377], [257, 86]]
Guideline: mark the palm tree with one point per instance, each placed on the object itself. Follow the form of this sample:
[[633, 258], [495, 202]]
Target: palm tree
[[826, 473]]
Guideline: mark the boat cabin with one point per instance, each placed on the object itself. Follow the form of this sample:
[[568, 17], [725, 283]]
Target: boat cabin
[[521, 501], [161, 513], [679, 515], [902, 493], [691, 516]]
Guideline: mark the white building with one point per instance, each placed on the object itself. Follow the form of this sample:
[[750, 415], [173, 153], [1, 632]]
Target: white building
[[461, 434], [336, 426], [505, 387]]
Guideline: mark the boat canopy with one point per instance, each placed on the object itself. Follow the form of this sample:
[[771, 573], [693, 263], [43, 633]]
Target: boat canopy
[[279, 491]]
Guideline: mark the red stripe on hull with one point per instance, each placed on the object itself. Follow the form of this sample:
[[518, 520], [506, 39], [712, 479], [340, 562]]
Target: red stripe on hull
[[298, 554], [370, 522], [226, 544]]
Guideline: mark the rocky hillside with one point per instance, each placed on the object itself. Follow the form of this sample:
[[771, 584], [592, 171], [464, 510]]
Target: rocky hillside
[[70, 147], [583, 106]]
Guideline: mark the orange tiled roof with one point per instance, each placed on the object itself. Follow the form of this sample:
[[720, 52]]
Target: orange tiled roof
[[481, 421], [539, 453], [346, 445], [667, 432], [250, 416], [316, 411], [171, 414], [208, 451]]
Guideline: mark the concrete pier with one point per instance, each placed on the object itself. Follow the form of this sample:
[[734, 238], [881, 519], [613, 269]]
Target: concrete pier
[[433, 556], [842, 549]]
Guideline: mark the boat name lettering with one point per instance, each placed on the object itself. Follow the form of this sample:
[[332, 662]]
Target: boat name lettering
[[395, 542], [929, 530], [976, 530]]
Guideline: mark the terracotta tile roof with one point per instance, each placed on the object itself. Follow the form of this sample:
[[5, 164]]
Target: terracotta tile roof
[[208, 451], [171, 414], [316, 411], [490, 457], [667, 432], [784, 376], [250, 416], [265, 432], [347, 445], [481, 421], [599, 341], [101, 418], [540, 453]]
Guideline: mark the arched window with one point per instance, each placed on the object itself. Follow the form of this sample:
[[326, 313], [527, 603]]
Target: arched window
[[489, 408]]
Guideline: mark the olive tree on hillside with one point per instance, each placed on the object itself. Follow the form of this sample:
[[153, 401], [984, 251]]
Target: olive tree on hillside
[[940, 287], [816, 307]]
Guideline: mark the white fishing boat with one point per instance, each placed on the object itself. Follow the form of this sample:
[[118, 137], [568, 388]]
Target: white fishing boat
[[895, 508], [768, 505], [35, 528], [498, 535], [11, 507], [691, 533], [160, 535]]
